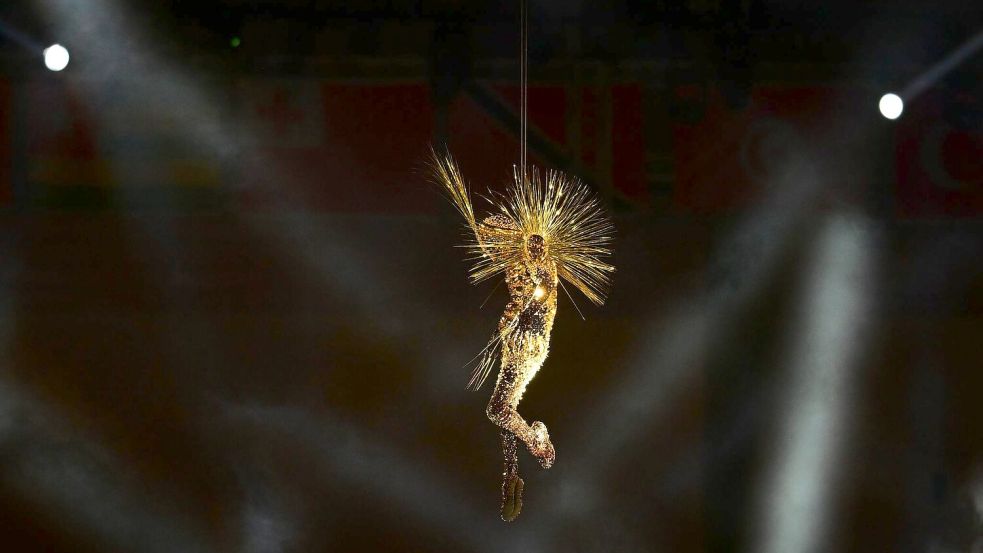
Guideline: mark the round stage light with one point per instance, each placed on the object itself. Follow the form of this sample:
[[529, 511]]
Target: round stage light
[[891, 105], [56, 57]]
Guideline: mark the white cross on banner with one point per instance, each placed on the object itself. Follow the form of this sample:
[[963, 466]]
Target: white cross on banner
[[282, 113]]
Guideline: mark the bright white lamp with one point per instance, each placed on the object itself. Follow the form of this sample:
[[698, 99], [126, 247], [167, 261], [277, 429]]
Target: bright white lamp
[[56, 57], [891, 105]]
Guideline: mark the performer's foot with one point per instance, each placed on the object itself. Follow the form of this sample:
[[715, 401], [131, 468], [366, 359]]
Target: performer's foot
[[511, 497], [542, 448]]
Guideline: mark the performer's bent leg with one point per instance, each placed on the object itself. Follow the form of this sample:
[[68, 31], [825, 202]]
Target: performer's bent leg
[[501, 411]]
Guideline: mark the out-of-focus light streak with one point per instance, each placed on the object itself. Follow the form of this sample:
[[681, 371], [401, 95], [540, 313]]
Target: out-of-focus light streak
[[116, 57], [335, 256], [411, 488], [939, 70], [168, 93], [976, 493], [659, 373], [20, 38], [341, 260], [662, 369], [72, 477], [891, 105], [344, 257], [54, 466], [266, 526], [83, 485], [344, 261], [794, 512]]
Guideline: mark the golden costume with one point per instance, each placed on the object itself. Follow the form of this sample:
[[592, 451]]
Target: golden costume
[[545, 231]]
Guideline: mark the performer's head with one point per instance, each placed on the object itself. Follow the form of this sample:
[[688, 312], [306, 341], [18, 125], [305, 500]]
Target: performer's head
[[536, 247]]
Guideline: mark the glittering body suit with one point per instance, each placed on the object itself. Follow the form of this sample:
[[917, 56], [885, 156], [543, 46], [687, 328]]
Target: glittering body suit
[[525, 333], [547, 228]]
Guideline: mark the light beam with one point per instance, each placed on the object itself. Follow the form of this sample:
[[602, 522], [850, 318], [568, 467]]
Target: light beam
[[939, 70], [794, 513]]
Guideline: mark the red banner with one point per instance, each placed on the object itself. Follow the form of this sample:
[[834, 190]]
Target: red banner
[[306, 144], [369, 152], [940, 163], [79, 139], [282, 113], [724, 156], [487, 146], [628, 173], [61, 124]]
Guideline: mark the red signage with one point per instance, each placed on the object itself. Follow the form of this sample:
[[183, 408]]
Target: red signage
[[940, 159], [348, 148], [487, 142]]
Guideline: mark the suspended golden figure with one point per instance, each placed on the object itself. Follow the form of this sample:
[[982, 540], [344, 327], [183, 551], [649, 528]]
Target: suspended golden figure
[[542, 232]]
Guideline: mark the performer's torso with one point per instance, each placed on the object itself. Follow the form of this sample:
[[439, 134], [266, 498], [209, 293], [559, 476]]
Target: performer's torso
[[534, 310]]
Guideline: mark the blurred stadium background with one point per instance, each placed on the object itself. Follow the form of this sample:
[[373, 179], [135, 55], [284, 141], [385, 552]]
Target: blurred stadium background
[[232, 317]]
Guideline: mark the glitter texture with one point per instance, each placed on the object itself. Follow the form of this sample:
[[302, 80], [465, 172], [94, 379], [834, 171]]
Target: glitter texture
[[543, 232]]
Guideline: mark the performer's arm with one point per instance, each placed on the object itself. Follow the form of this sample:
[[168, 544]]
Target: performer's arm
[[495, 229]]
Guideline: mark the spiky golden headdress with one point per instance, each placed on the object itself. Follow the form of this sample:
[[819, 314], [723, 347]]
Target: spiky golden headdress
[[562, 210]]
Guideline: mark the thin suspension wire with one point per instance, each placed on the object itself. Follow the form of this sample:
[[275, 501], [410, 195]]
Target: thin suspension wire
[[523, 86]]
